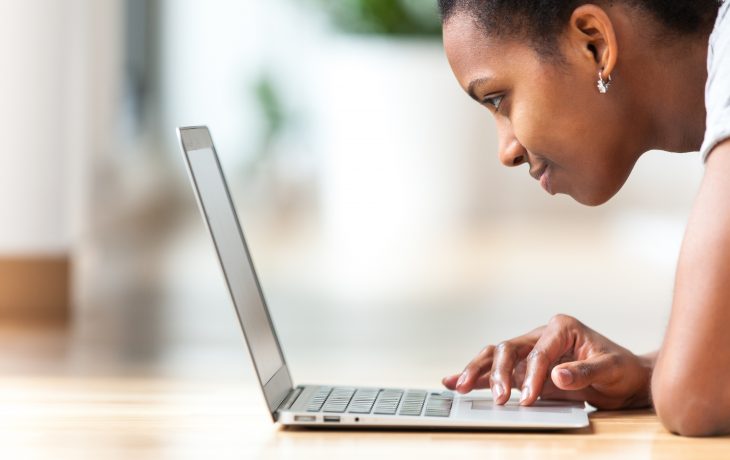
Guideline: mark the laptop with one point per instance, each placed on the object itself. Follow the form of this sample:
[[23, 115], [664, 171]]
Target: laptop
[[335, 405]]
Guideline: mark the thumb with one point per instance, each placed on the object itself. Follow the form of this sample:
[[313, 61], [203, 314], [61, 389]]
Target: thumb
[[577, 375]]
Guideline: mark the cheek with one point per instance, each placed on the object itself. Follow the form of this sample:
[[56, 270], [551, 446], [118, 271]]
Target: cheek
[[568, 135], [538, 117], [558, 125], [544, 132]]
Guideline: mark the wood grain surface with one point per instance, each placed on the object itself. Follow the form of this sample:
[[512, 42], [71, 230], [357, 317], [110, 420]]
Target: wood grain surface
[[135, 417]]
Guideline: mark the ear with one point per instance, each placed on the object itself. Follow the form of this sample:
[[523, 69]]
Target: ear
[[592, 35]]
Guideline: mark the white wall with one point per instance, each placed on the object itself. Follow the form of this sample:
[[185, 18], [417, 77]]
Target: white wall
[[33, 159]]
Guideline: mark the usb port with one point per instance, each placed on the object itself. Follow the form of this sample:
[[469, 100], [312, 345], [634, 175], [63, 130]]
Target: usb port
[[304, 418], [331, 418]]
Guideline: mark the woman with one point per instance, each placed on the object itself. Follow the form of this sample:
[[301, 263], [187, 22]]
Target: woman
[[579, 91]]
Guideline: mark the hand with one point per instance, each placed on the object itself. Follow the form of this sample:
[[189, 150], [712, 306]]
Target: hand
[[581, 364]]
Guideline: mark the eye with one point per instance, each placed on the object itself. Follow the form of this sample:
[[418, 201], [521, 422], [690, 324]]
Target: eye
[[494, 101]]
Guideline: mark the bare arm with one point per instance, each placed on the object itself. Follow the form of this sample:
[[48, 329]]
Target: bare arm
[[691, 379]]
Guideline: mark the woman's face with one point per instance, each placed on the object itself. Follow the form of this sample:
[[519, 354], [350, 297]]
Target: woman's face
[[548, 113]]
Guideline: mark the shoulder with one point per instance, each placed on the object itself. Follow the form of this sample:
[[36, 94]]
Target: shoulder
[[717, 90], [718, 163], [720, 32]]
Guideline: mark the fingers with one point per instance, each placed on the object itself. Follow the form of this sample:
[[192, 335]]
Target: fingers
[[557, 339], [479, 372], [450, 381], [581, 365], [603, 369], [468, 379], [507, 356], [481, 382], [484, 380]]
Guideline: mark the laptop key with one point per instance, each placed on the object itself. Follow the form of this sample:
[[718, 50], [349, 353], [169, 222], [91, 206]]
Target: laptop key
[[315, 404], [387, 402], [439, 405], [413, 402], [362, 402], [338, 400]]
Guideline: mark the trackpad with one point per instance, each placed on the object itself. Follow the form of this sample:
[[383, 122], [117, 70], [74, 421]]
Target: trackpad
[[513, 406]]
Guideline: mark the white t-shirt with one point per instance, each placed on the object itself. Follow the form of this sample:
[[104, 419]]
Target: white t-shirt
[[717, 89]]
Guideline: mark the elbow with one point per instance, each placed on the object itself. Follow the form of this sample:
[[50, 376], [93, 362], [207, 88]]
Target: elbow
[[688, 409], [682, 419]]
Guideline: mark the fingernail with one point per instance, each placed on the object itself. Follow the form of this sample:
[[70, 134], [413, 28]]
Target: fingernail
[[461, 379], [566, 377], [525, 394]]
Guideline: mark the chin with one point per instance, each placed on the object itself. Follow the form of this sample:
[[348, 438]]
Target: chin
[[601, 188], [592, 199]]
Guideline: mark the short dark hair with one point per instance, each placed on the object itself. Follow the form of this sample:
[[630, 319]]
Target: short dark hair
[[540, 22]]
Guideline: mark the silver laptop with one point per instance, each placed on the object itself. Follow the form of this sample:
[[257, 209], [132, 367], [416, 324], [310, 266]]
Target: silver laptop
[[332, 405]]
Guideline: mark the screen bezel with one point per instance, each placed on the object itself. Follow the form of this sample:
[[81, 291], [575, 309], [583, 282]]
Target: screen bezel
[[277, 388]]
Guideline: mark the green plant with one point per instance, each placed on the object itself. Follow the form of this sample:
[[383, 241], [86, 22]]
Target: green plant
[[385, 17], [273, 116]]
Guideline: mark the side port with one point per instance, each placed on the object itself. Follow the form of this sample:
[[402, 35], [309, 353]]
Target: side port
[[305, 418], [332, 418]]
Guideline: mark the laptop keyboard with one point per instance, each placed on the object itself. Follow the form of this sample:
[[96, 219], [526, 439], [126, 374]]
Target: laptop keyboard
[[381, 401]]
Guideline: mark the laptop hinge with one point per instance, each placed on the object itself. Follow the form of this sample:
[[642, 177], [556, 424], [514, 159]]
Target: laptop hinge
[[290, 398]]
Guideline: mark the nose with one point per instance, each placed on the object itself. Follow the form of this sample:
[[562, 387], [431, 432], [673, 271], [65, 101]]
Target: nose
[[511, 152]]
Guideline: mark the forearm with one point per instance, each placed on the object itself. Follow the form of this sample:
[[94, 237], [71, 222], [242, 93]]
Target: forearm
[[689, 382]]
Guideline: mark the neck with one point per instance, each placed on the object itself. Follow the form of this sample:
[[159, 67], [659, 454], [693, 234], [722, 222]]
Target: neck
[[673, 90]]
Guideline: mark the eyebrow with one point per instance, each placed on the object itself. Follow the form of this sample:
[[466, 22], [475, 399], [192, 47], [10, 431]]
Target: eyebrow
[[473, 84]]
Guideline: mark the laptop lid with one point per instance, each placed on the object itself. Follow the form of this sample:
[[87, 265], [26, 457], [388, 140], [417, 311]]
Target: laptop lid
[[222, 221]]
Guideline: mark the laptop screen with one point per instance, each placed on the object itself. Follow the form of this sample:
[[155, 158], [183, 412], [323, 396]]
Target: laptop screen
[[236, 262]]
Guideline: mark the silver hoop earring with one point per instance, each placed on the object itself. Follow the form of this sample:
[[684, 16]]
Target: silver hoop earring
[[603, 84]]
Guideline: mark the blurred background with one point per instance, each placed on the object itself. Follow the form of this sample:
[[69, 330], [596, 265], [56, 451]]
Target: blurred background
[[388, 238]]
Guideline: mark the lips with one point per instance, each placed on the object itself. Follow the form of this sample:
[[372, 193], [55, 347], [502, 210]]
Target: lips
[[538, 173], [543, 176], [545, 180]]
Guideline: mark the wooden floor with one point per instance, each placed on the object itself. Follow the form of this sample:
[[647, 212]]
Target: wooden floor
[[62, 398], [75, 417]]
